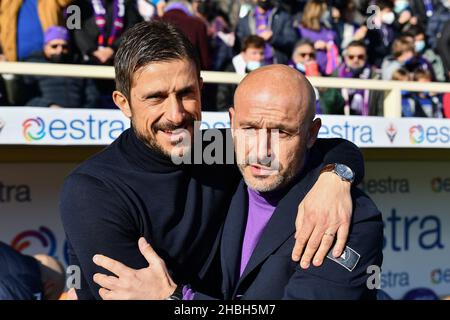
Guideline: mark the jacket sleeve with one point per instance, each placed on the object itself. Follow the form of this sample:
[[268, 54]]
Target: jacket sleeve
[[334, 281], [344, 152], [96, 221]]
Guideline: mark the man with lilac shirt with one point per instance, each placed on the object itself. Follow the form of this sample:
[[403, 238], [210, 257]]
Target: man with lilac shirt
[[259, 231]]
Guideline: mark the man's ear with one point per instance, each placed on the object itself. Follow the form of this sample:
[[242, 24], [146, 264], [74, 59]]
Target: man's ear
[[122, 102], [231, 114], [200, 83], [313, 132]]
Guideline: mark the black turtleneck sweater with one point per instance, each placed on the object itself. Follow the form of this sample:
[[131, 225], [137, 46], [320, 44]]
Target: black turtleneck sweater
[[127, 191]]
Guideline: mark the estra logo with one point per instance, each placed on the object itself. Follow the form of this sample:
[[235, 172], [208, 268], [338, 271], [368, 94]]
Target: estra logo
[[90, 128], [429, 134], [416, 134], [439, 184], [33, 129]]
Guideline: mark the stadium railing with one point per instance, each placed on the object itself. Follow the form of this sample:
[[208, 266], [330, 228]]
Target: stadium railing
[[392, 89]]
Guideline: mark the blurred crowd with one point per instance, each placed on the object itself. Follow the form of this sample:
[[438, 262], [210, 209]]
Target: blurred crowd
[[406, 40]]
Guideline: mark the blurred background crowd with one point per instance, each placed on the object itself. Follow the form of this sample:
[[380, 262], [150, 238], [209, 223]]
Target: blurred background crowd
[[405, 40]]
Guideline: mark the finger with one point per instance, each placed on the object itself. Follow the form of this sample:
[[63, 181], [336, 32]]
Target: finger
[[342, 236], [147, 251], [325, 246], [107, 282], [302, 235], [311, 248], [299, 241], [106, 294], [119, 269]]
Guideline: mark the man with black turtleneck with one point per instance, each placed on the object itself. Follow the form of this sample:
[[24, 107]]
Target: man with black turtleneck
[[133, 189]]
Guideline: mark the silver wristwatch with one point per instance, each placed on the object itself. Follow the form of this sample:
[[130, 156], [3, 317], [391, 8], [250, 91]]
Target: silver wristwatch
[[343, 171]]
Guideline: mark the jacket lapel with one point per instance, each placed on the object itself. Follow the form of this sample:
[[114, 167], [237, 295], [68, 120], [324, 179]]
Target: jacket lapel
[[281, 225], [232, 237]]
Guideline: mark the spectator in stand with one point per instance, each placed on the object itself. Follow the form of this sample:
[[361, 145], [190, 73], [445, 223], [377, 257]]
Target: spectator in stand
[[423, 9], [102, 24], [407, 105], [382, 32], [356, 66], [437, 21], [59, 92], [312, 27], [328, 100], [220, 33], [150, 9], [23, 23], [426, 104], [345, 26], [419, 104], [403, 15], [251, 58], [274, 25], [422, 49], [180, 14], [443, 47], [29, 278], [404, 56]]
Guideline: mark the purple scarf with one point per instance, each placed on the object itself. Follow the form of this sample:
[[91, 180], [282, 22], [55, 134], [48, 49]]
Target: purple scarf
[[350, 95], [262, 24], [100, 21]]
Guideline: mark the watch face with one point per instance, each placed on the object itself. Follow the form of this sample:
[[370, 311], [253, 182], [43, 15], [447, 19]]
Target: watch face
[[345, 172]]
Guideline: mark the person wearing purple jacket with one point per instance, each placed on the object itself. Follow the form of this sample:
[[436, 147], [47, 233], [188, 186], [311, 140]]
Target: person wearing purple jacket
[[312, 27]]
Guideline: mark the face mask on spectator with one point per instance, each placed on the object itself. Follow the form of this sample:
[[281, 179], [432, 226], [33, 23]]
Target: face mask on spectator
[[388, 18], [401, 5], [59, 58], [419, 45], [300, 67], [253, 65]]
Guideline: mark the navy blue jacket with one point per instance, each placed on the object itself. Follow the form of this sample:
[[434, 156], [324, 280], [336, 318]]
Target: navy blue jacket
[[20, 276], [272, 275], [128, 191]]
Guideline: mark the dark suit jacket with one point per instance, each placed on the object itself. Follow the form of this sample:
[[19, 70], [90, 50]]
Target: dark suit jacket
[[270, 272]]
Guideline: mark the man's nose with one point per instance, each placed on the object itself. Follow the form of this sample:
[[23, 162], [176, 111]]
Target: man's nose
[[264, 144], [175, 110]]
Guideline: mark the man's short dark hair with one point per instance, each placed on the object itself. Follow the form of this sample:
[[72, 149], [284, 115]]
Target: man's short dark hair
[[149, 42], [253, 41], [303, 42], [357, 43], [383, 4], [414, 31]]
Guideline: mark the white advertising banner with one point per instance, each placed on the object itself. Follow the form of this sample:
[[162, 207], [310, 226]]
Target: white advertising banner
[[43, 126], [414, 198]]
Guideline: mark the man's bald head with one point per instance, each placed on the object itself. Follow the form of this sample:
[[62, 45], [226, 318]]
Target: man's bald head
[[279, 82], [279, 102]]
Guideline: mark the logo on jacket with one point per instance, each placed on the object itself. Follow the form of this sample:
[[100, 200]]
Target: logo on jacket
[[348, 259], [391, 132]]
